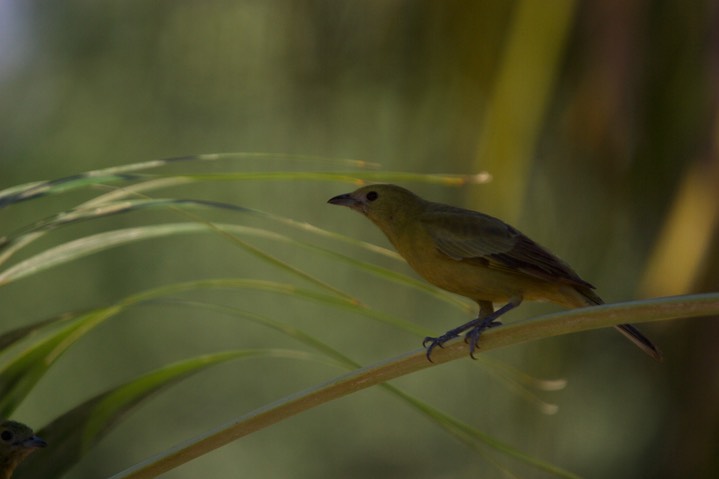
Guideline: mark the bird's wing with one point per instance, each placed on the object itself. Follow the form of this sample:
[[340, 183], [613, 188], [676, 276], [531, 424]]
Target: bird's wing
[[464, 234], [469, 235]]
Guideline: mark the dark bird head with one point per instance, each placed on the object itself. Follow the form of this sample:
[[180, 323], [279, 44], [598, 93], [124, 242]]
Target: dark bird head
[[17, 441], [386, 205]]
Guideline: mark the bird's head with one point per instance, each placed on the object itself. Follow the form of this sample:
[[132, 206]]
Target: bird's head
[[386, 205], [17, 441]]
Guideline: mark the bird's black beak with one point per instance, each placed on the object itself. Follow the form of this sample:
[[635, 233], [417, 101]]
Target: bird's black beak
[[35, 441], [344, 200], [349, 201]]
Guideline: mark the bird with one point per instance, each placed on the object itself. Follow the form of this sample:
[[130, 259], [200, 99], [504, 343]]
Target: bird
[[477, 256], [17, 441]]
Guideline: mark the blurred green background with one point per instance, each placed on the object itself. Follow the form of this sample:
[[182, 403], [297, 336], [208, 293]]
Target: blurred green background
[[597, 121]]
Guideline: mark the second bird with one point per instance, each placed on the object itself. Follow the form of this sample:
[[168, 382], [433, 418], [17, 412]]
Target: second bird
[[476, 256]]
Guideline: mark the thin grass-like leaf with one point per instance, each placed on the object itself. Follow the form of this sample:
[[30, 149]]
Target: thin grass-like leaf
[[15, 241], [18, 239], [13, 336], [349, 304], [24, 364], [284, 328], [57, 255], [478, 439], [136, 190], [88, 245], [38, 189], [122, 173], [141, 189], [303, 226], [283, 265], [470, 436], [352, 177], [126, 173], [71, 435], [92, 244], [525, 385]]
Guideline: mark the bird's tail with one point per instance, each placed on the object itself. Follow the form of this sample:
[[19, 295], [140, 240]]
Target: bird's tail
[[629, 331], [640, 340]]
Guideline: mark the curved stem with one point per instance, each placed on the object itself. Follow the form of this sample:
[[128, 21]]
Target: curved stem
[[528, 330]]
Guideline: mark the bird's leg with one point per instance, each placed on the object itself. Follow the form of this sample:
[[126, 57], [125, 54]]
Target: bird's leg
[[488, 321], [485, 309], [487, 318]]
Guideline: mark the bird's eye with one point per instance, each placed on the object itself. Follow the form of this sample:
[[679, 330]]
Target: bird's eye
[[6, 435], [372, 195]]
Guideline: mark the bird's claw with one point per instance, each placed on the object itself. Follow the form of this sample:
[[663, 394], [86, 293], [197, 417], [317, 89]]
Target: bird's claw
[[472, 336], [434, 342]]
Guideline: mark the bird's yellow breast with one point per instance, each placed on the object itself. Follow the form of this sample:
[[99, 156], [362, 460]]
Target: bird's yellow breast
[[473, 278]]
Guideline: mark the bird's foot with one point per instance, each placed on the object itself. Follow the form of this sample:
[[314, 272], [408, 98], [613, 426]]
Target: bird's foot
[[487, 319], [472, 336], [479, 324]]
